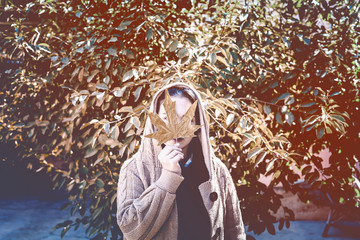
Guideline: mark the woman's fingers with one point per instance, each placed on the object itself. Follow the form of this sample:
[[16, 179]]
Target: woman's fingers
[[173, 154], [168, 149], [170, 157], [177, 158]]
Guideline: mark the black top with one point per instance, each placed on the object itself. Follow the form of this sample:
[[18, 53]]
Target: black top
[[194, 220]]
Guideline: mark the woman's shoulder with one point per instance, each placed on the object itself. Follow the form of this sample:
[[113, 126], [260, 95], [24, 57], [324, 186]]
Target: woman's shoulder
[[218, 163], [222, 175], [136, 165], [130, 164], [222, 171], [220, 167]]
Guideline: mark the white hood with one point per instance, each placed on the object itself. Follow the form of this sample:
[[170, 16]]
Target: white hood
[[149, 149]]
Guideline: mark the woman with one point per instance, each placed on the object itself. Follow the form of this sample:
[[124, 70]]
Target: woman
[[178, 190]]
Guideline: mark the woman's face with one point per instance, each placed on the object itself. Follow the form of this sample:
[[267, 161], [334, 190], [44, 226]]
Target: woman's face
[[181, 107]]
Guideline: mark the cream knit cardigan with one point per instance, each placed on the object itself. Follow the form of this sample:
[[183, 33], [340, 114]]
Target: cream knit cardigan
[[146, 197]]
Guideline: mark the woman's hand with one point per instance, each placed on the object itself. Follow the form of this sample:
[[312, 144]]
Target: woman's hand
[[170, 156]]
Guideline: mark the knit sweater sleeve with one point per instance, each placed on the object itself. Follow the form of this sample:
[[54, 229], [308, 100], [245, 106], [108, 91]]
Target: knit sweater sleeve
[[142, 212]]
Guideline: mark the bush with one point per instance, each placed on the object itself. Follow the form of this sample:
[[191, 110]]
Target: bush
[[278, 78]]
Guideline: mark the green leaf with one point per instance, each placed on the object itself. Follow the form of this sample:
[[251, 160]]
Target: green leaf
[[97, 161], [107, 79], [274, 84], [357, 191], [167, 42], [80, 50], [289, 76], [338, 117], [270, 165], [102, 86], [279, 118], [229, 119], [64, 231], [313, 176], [128, 75], [183, 52], [93, 73], [124, 25], [119, 92], [112, 51], [65, 60], [335, 93], [135, 120], [320, 132], [289, 117], [306, 170], [254, 152], [287, 43], [113, 39], [283, 96], [82, 210], [213, 58], [267, 109], [270, 228], [315, 92], [99, 95], [90, 152], [307, 104], [149, 34], [246, 141], [63, 224], [114, 131], [137, 93], [106, 128], [84, 170], [289, 101], [74, 209], [173, 46], [122, 150], [19, 124], [99, 183], [281, 224], [260, 158], [287, 223], [44, 45], [258, 60], [276, 175], [112, 200], [108, 62], [65, 206], [97, 212], [78, 14], [126, 109], [306, 41]]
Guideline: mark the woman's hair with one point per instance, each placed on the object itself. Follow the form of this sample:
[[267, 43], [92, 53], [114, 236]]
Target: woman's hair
[[182, 92]]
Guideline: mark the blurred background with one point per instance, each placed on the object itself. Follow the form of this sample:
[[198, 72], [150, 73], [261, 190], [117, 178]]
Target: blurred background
[[279, 81]]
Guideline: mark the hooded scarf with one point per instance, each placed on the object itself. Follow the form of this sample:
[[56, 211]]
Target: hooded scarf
[[146, 199], [149, 147]]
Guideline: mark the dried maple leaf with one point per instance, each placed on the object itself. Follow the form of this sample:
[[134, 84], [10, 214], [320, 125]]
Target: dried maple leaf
[[173, 129]]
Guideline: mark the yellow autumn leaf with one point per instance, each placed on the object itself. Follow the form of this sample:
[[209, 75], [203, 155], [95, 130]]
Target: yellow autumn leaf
[[173, 129]]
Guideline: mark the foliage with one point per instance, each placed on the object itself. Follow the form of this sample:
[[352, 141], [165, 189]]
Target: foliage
[[279, 79]]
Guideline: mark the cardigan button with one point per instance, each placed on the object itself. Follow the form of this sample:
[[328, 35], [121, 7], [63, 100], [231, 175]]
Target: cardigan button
[[213, 196], [217, 233]]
